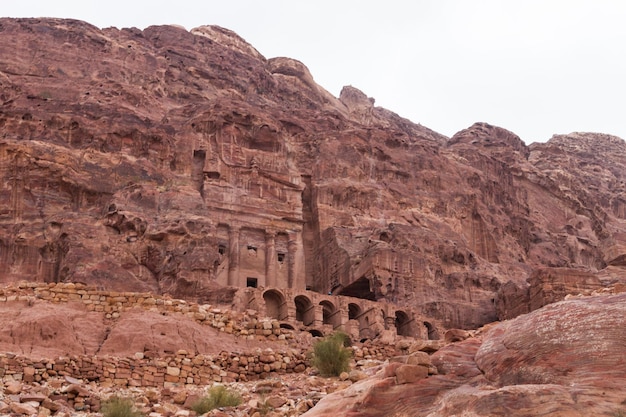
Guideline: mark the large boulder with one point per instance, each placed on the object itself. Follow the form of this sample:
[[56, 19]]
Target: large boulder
[[565, 359]]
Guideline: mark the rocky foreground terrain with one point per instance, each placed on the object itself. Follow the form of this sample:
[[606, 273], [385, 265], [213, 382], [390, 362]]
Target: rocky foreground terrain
[[185, 165], [564, 359]]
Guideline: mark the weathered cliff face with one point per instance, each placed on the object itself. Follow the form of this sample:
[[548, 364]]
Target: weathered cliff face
[[172, 161]]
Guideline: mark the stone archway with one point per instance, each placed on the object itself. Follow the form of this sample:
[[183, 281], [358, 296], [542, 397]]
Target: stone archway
[[355, 321], [275, 304], [330, 314], [403, 324], [354, 311], [305, 310], [433, 334]]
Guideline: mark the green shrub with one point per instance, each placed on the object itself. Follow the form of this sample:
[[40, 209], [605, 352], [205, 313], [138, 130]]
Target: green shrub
[[119, 407], [343, 338], [330, 355], [217, 397]]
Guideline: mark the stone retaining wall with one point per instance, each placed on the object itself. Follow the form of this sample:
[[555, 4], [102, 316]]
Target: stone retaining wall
[[112, 303], [142, 371], [147, 369], [181, 368]]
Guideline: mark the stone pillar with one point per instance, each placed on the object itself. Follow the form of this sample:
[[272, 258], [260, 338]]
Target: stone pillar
[[270, 260], [295, 251], [390, 323], [233, 256], [336, 319], [318, 315], [344, 317]]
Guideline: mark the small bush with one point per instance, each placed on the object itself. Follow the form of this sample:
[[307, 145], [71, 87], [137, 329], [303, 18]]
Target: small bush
[[119, 407], [217, 397], [330, 355], [344, 338]]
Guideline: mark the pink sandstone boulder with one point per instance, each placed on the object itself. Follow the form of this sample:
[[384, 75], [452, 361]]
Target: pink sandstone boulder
[[565, 359]]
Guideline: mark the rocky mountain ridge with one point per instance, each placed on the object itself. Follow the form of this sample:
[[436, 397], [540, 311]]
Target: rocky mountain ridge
[[154, 160]]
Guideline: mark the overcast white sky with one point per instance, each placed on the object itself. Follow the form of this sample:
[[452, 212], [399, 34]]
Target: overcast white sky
[[535, 67]]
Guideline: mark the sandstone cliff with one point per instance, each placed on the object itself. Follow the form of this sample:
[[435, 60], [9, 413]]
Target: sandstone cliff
[[179, 162]]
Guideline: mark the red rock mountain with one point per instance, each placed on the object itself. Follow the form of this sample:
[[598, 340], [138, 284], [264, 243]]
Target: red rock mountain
[[179, 162]]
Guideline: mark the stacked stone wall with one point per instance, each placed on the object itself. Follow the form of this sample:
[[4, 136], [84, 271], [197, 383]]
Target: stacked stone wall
[[182, 368], [112, 303], [148, 369]]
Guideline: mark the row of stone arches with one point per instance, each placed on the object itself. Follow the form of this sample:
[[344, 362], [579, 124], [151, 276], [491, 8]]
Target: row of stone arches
[[367, 322]]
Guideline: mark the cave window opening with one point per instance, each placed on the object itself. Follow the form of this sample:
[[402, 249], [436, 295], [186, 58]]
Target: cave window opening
[[199, 154], [252, 282], [316, 333], [281, 257], [221, 249]]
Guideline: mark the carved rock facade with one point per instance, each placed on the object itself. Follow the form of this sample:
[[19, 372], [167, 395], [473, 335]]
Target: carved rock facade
[[183, 162]]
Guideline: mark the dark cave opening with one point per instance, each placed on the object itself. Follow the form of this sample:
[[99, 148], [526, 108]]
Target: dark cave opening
[[359, 289]]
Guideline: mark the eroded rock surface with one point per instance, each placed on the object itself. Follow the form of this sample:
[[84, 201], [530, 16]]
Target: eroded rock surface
[[180, 162], [45, 330], [565, 359]]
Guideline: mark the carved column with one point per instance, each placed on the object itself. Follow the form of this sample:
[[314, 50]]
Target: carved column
[[295, 277], [290, 262], [233, 256], [270, 259]]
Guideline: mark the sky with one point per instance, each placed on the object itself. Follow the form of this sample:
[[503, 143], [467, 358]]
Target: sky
[[535, 67]]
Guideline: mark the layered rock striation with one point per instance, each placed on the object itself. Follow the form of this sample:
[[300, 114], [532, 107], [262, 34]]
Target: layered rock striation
[[181, 162]]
